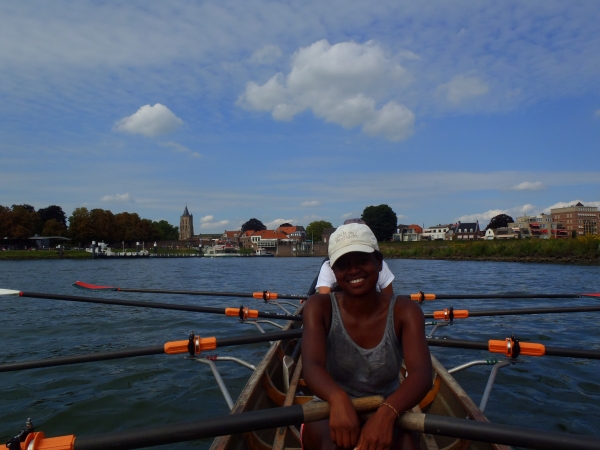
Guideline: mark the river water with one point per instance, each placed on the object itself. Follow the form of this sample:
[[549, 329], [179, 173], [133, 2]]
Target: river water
[[549, 393]]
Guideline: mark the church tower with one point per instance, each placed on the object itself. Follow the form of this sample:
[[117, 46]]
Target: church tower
[[186, 225]]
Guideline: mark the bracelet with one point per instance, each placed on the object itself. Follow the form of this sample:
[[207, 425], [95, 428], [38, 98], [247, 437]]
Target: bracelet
[[391, 407]]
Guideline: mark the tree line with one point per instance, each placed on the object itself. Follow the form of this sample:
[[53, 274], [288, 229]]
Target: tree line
[[84, 226]]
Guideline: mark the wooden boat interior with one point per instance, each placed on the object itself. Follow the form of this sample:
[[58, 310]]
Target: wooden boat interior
[[266, 389]]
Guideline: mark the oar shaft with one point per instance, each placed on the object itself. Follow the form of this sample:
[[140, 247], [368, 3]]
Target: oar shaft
[[168, 306], [65, 360], [210, 293], [507, 296], [502, 434], [144, 351], [516, 312], [549, 351], [188, 431]]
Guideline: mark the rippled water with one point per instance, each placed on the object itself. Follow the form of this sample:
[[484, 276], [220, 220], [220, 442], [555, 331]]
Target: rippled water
[[550, 393]]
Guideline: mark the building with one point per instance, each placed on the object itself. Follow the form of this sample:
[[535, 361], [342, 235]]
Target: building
[[186, 225], [467, 231], [294, 232], [541, 227], [578, 218], [436, 233], [408, 233]]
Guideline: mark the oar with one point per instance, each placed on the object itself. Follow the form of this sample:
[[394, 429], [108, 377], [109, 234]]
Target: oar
[[420, 296], [513, 347], [310, 412], [264, 295], [194, 346], [449, 314], [241, 312]]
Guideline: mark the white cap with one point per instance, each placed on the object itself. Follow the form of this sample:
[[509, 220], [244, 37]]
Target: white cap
[[353, 237]]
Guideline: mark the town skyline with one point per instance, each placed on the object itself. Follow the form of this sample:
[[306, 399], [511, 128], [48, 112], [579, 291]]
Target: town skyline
[[307, 111]]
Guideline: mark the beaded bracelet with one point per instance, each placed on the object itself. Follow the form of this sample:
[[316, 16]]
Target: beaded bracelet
[[392, 408]]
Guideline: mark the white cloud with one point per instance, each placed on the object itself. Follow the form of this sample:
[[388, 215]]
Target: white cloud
[[597, 113], [207, 219], [266, 55], [310, 203], [463, 88], [528, 186], [348, 215], [482, 217], [275, 223], [514, 212], [118, 198], [400, 216], [181, 149], [341, 83], [150, 121]]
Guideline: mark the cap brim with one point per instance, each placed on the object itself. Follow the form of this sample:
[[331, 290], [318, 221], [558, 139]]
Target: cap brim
[[350, 248]]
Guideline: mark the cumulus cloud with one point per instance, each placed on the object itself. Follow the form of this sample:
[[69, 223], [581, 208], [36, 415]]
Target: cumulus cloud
[[207, 219], [150, 121], [275, 223], [181, 149], [462, 88], [118, 198], [310, 203], [528, 186], [527, 209], [266, 55], [340, 83], [348, 215]]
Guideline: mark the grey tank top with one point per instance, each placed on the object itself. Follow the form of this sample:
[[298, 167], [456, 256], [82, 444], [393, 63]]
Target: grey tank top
[[360, 371]]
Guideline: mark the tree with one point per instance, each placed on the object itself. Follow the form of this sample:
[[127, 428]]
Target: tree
[[53, 212], [54, 228], [166, 231], [499, 221], [25, 222], [79, 226], [286, 225], [382, 220], [314, 230], [254, 225]]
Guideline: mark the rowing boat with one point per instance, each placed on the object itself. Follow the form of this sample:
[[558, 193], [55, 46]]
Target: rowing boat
[[277, 381]]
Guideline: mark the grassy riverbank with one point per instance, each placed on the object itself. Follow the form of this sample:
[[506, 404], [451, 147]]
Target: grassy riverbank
[[42, 254], [584, 250]]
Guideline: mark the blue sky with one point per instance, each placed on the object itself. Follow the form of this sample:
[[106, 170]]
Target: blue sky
[[300, 111]]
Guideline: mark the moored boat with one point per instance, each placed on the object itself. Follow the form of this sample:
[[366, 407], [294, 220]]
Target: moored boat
[[222, 251]]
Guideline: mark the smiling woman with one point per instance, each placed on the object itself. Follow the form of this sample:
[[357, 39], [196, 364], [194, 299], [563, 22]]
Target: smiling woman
[[353, 347]]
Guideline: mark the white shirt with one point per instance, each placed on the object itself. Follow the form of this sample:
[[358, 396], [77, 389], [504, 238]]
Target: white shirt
[[327, 278]]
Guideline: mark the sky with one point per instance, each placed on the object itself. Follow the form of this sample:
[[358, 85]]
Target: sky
[[296, 111]]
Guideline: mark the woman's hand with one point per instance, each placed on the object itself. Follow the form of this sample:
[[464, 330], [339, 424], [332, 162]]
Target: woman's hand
[[378, 432], [344, 426]]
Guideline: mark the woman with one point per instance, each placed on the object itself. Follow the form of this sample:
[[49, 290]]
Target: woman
[[353, 345]]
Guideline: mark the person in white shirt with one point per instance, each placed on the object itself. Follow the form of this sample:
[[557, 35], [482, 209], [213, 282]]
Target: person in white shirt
[[326, 280]]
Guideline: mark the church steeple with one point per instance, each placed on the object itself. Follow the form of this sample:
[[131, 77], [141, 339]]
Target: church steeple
[[186, 225]]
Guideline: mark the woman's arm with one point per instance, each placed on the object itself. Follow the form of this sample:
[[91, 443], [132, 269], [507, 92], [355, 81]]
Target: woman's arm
[[343, 420]]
